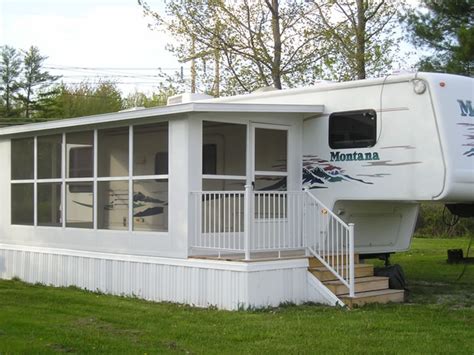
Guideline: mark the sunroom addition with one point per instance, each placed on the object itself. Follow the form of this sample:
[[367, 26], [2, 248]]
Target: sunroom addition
[[197, 179]]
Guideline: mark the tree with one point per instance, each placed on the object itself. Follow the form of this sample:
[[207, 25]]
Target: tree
[[83, 100], [446, 29], [10, 69], [34, 78], [254, 42], [139, 99], [362, 36]]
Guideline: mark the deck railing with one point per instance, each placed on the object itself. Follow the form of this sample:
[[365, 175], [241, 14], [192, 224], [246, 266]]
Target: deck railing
[[219, 220], [256, 221]]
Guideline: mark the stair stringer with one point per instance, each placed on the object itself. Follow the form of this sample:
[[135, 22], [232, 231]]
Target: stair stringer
[[319, 293]]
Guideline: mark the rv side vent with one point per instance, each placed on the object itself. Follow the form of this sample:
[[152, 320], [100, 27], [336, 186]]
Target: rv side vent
[[186, 97]]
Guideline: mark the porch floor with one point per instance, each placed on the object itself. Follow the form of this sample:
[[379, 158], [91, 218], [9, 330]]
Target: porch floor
[[255, 256]]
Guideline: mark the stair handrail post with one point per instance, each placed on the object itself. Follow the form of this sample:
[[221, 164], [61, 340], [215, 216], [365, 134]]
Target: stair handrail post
[[247, 219], [351, 261], [304, 228]]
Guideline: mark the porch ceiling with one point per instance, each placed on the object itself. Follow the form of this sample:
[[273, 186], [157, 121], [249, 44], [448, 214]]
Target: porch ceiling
[[172, 110]]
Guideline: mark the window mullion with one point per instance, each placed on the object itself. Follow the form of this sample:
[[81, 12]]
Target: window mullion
[[35, 183], [94, 189], [63, 185], [130, 178]]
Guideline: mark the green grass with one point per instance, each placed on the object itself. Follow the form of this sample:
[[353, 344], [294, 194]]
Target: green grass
[[439, 318]]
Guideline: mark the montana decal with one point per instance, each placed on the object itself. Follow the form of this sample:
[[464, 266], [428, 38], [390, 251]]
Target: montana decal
[[354, 156], [468, 139], [466, 108], [467, 111]]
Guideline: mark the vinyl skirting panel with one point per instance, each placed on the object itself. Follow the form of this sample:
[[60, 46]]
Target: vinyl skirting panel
[[202, 283]]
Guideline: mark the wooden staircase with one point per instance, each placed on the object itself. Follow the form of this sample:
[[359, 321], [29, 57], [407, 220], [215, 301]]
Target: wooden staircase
[[368, 288]]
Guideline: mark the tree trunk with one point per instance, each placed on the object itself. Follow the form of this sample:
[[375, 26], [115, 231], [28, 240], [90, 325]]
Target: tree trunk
[[276, 74], [217, 61], [7, 101], [27, 103], [360, 38], [193, 65], [217, 73]]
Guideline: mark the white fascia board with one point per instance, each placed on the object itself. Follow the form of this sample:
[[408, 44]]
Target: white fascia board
[[162, 111]]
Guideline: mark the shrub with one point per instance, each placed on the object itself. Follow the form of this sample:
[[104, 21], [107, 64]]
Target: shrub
[[435, 220]]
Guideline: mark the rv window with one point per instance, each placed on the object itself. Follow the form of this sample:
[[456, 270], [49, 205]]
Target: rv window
[[354, 129]]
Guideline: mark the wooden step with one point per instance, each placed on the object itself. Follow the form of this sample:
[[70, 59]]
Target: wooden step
[[362, 284], [380, 296], [314, 262], [360, 270]]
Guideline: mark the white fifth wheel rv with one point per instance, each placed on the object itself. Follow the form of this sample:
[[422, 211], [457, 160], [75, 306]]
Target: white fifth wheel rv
[[383, 146], [171, 203]]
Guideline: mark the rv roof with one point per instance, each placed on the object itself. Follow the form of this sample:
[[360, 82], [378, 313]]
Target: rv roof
[[163, 111], [324, 85]]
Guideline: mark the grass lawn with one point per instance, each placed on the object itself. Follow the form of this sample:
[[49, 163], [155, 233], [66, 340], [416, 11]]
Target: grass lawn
[[438, 318]]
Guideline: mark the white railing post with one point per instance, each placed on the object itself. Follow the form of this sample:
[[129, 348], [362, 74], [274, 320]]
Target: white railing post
[[247, 219], [304, 226], [351, 260]]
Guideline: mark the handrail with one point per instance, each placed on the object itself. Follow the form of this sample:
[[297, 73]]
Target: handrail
[[330, 240]]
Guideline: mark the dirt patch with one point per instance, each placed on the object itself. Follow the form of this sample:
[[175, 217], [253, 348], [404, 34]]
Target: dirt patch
[[448, 294]]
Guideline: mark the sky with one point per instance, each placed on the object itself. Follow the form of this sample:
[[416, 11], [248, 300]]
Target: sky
[[99, 34], [91, 38]]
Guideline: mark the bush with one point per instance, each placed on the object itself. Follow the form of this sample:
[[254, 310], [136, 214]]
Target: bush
[[435, 220]]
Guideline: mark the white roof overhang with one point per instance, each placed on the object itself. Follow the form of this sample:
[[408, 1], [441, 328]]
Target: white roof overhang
[[192, 107]]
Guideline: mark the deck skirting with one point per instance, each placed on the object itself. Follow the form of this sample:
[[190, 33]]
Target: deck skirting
[[202, 283]]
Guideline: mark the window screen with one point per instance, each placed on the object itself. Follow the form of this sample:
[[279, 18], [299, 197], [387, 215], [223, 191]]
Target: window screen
[[80, 162], [161, 163], [209, 159], [352, 129]]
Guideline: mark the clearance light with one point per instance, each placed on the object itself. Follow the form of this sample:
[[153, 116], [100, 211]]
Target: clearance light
[[419, 87]]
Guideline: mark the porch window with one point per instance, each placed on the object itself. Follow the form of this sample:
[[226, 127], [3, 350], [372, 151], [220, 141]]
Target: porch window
[[49, 157], [112, 176], [49, 204], [22, 155], [22, 203], [79, 179], [79, 205], [80, 154], [22, 176], [112, 202], [150, 177], [112, 152], [224, 149], [150, 205]]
